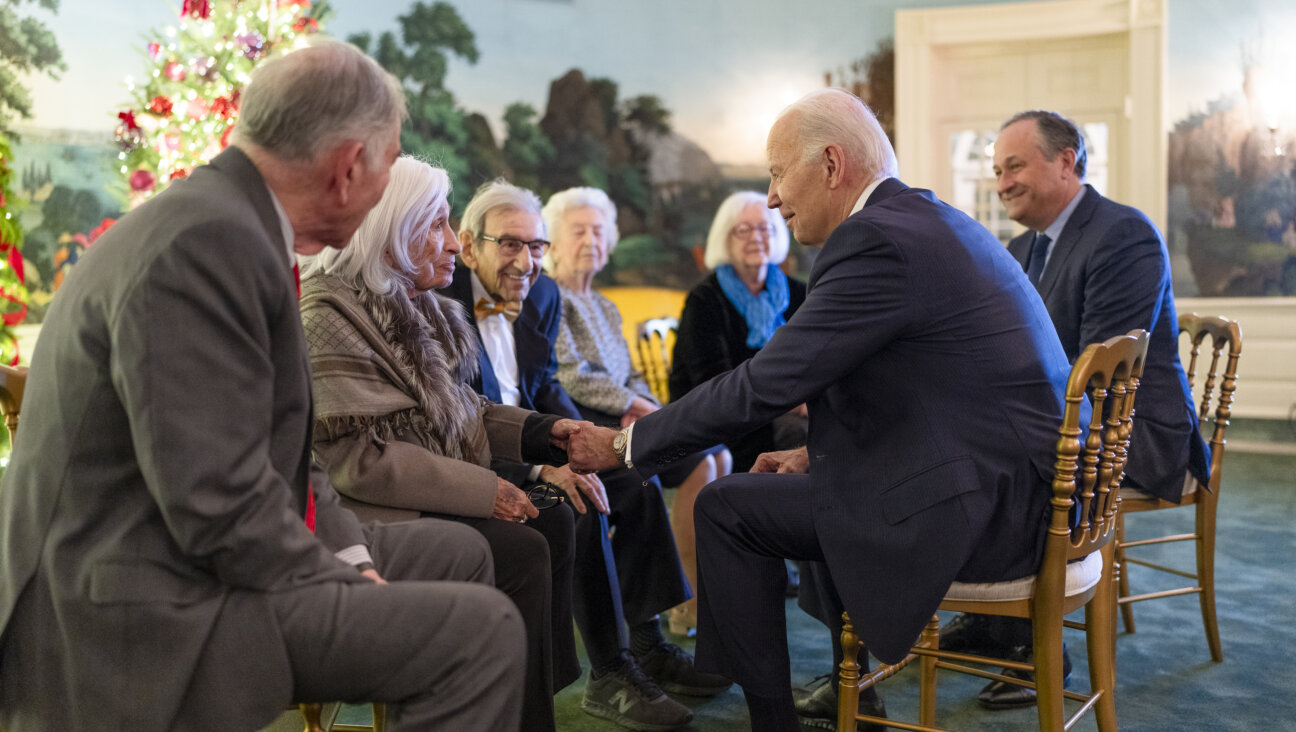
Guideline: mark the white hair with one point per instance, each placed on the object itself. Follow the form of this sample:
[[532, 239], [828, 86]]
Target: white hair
[[493, 195], [717, 243], [834, 116], [380, 256], [314, 99], [573, 198]]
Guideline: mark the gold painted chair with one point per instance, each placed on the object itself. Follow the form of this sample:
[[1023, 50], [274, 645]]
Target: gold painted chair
[[1224, 348], [1076, 571], [653, 346], [314, 715], [13, 380]]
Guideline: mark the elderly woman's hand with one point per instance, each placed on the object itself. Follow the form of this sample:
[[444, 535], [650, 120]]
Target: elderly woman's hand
[[574, 485], [511, 504], [640, 407]]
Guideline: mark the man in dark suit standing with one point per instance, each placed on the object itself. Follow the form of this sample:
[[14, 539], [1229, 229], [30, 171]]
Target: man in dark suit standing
[[934, 383], [1102, 270], [158, 566], [630, 577]]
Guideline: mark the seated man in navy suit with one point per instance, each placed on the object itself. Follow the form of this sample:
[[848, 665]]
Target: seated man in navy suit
[[635, 574], [1102, 270], [934, 382]]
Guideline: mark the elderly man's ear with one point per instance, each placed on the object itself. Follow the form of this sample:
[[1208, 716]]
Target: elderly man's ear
[[466, 251]]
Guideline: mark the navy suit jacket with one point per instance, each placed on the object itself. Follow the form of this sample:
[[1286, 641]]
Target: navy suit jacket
[[934, 382], [1109, 274]]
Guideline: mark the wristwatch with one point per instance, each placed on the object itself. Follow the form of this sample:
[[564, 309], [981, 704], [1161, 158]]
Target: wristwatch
[[619, 445]]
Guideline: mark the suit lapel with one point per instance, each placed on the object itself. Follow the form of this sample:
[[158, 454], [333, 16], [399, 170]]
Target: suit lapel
[[1067, 241]]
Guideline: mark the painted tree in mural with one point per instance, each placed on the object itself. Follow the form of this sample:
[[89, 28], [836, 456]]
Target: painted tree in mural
[[13, 292], [188, 102], [437, 130], [27, 46]]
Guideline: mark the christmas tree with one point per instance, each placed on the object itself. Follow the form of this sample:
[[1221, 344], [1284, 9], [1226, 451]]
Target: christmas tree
[[185, 108], [13, 291]]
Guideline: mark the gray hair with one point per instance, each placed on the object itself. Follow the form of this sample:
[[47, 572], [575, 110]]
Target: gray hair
[[573, 198], [1053, 134], [380, 256], [313, 99], [834, 116], [492, 195], [717, 243]]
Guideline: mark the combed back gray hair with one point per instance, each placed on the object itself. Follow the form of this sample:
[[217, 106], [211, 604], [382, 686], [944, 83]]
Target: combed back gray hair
[[726, 217], [833, 116], [569, 200], [1055, 133], [380, 256], [313, 99], [492, 195]]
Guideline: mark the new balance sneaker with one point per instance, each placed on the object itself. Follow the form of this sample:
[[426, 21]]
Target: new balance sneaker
[[629, 698], [817, 708], [672, 668]]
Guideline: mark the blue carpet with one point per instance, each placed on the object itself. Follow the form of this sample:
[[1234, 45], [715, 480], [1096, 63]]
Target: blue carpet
[[1166, 680]]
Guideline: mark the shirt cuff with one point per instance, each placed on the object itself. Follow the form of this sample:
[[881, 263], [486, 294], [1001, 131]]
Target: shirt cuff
[[354, 555], [534, 475], [629, 459]]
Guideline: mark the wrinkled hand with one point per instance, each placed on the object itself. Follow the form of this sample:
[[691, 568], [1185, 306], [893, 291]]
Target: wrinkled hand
[[783, 461], [640, 407], [590, 450], [373, 575], [511, 504], [562, 431], [574, 485]]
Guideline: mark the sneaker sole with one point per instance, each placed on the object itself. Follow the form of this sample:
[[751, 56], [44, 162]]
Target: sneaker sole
[[610, 714]]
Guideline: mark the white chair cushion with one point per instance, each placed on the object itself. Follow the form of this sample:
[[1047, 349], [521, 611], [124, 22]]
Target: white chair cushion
[[1080, 576]]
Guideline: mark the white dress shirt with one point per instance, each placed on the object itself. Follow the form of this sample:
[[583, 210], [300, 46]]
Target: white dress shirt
[[497, 337]]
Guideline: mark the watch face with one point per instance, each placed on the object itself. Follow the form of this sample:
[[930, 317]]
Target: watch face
[[618, 442]]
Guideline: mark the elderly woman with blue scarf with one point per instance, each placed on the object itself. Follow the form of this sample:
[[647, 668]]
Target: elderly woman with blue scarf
[[733, 313]]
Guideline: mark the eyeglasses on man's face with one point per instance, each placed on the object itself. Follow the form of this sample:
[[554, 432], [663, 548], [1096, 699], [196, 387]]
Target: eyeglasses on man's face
[[747, 231], [546, 495], [509, 246]]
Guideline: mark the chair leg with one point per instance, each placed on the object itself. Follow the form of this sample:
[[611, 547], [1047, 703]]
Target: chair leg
[[311, 715], [1048, 671], [927, 674], [1100, 642], [848, 677], [1122, 574], [379, 717], [1206, 572]]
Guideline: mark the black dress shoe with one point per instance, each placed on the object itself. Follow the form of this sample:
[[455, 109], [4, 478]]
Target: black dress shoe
[[1003, 695], [973, 633], [817, 708]]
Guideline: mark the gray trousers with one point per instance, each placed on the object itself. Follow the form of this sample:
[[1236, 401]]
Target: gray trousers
[[439, 645]]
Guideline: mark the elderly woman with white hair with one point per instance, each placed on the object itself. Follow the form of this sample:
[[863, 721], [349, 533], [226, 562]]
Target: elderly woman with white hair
[[594, 360], [403, 435], [732, 313]]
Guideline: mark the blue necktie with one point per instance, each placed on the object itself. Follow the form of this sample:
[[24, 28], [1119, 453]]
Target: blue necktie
[[1038, 254]]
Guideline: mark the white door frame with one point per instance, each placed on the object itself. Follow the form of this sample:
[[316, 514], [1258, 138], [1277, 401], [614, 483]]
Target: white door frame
[[919, 32]]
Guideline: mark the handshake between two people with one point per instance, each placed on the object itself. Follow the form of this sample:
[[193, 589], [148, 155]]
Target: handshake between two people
[[589, 450], [514, 504]]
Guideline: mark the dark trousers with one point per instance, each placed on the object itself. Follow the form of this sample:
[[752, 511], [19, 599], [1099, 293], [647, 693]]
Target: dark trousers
[[533, 566], [747, 523], [643, 576]]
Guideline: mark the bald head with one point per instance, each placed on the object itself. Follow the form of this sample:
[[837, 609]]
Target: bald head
[[823, 151]]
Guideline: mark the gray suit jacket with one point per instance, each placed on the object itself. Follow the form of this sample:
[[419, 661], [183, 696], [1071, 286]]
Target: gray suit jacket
[[1109, 274], [159, 480]]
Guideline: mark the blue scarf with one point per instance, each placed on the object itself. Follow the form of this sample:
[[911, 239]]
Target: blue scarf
[[763, 312]]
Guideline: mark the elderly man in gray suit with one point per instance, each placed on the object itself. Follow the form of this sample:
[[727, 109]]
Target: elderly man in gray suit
[[158, 566]]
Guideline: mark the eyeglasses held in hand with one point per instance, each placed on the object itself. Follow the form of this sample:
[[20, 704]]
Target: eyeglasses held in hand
[[747, 231], [509, 246], [546, 495]]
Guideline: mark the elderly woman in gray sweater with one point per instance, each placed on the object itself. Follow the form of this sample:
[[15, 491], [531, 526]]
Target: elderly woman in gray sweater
[[594, 360]]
